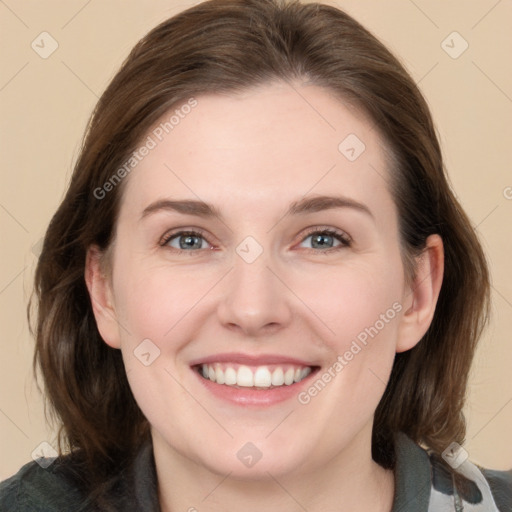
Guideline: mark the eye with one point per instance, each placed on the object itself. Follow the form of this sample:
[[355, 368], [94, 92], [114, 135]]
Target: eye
[[326, 239], [185, 241]]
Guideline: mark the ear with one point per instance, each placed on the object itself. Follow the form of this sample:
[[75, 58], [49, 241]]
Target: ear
[[421, 297], [100, 292]]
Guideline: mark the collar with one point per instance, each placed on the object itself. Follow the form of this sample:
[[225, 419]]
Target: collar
[[412, 476]]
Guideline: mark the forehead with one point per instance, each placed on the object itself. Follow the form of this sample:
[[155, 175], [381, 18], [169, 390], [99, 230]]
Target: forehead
[[271, 144]]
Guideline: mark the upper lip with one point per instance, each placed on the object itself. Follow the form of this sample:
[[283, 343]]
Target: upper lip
[[250, 360]]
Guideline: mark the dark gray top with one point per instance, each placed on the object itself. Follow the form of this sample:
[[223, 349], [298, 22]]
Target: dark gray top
[[422, 484]]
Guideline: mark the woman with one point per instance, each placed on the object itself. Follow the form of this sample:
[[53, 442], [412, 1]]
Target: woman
[[259, 290]]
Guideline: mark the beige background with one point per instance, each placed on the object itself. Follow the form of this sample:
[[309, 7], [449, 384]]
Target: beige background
[[45, 104]]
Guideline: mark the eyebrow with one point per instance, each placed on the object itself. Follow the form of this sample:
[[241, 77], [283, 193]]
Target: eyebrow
[[319, 203], [301, 207]]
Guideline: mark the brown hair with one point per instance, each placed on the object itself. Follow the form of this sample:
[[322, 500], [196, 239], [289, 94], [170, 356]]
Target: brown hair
[[225, 46]]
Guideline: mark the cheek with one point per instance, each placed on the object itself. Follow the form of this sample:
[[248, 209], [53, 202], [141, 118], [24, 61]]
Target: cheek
[[362, 308], [153, 300], [355, 302], [155, 306]]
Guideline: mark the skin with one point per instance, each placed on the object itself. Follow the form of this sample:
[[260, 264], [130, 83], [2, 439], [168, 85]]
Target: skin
[[251, 155]]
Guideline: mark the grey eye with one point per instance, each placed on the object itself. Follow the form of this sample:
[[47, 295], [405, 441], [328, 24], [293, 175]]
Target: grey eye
[[187, 241], [322, 240]]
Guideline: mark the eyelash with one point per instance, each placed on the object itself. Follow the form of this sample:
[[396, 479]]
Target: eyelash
[[343, 238], [169, 236]]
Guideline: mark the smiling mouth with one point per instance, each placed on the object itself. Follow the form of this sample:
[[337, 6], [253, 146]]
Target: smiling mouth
[[255, 377]]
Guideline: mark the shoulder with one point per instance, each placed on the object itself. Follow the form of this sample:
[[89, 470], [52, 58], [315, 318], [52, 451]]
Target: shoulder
[[55, 485], [500, 485], [436, 483], [43, 485], [470, 486]]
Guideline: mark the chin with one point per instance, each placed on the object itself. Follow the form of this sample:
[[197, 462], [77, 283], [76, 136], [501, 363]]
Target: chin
[[258, 461]]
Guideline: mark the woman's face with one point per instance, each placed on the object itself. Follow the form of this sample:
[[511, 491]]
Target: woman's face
[[257, 283]]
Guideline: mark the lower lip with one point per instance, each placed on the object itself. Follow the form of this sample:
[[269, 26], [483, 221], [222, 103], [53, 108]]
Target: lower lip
[[254, 397]]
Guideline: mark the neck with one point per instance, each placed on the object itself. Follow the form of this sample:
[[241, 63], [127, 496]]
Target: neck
[[346, 482]]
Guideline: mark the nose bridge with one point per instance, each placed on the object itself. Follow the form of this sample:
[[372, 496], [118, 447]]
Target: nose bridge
[[253, 297]]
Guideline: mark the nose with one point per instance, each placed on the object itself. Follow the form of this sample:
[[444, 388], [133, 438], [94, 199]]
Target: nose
[[254, 300]]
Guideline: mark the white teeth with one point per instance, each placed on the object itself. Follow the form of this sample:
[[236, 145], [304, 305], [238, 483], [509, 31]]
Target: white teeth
[[262, 377], [305, 372], [259, 377], [230, 377], [288, 376], [244, 377], [278, 377], [219, 375]]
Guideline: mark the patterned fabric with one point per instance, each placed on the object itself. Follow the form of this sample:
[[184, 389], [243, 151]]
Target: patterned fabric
[[470, 493]]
